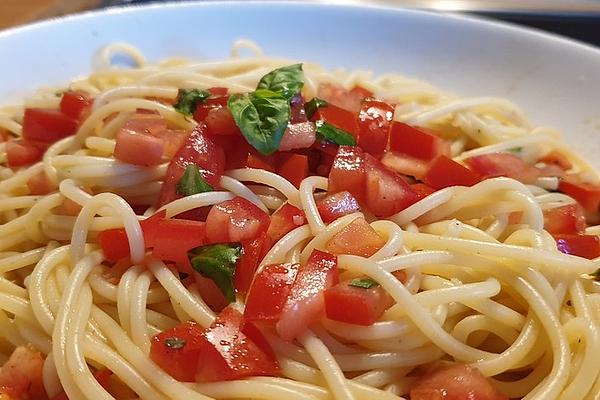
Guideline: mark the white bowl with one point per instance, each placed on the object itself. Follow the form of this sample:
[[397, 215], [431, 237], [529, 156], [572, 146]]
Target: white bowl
[[556, 81]]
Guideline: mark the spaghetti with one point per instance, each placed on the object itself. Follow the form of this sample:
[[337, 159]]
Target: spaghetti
[[470, 269]]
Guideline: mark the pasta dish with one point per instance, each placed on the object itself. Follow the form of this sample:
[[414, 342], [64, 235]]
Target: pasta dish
[[260, 228]]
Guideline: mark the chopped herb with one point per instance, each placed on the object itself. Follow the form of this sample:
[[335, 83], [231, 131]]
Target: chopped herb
[[217, 263], [312, 106], [188, 99], [262, 116], [175, 343], [363, 283], [596, 275], [192, 182], [286, 81], [335, 135]]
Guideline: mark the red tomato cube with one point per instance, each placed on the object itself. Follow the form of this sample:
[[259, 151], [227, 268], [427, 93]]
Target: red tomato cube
[[348, 172], [375, 121], [138, 148], [356, 305], [444, 172], [47, 125], [337, 205], [416, 142], [357, 238], [284, 220]]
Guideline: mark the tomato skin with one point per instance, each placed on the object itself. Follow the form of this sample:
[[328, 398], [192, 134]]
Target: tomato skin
[[586, 194], [564, 219], [173, 238], [235, 220], [269, 291], [404, 164], [305, 303], [178, 362], [197, 149], [386, 192], [338, 117], [47, 125], [416, 142], [444, 172], [357, 238], [254, 251], [202, 109], [356, 305], [348, 172], [293, 167], [422, 190], [375, 120], [228, 354], [284, 220], [138, 148], [350, 100], [454, 382], [586, 246], [20, 152], [337, 205], [115, 245], [75, 104], [219, 121], [21, 375], [502, 164]]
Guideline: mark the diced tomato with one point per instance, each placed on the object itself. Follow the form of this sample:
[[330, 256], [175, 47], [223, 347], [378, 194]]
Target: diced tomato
[[205, 107], [444, 172], [284, 220], [293, 167], [228, 354], [21, 375], [375, 120], [555, 157], [138, 148], [178, 350], [404, 164], [218, 91], [76, 104], [235, 220], [357, 238], [298, 136], [339, 96], [348, 172], [586, 246], [149, 123], [209, 291], [47, 125], [502, 164], [361, 92], [338, 117], [269, 291], [172, 139], [586, 194], [197, 149], [260, 162], [40, 184], [305, 303], [356, 305], [115, 245], [564, 219], [422, 190], [386, 192], [174, 237], [454, 382], [254, 251], [337, 205], [297, 111], [20, 152], [416, 142], [219, 121]]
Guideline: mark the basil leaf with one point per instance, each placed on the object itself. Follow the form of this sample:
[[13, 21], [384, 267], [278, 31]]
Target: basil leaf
[[332, 134], [175, 343], [217, 263], [188, 99], [312, 106], [262, 116], [285, 80], [192, 182], [363, 283]]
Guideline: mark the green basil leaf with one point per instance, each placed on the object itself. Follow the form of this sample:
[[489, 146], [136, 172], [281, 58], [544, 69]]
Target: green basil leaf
[[363, 283], [217, 263], [188, 99], [262, 116], [175, 343], [312, 106], [285, 80], [192, 182], [332, 134]]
